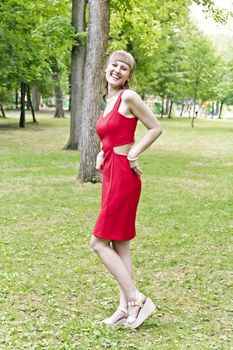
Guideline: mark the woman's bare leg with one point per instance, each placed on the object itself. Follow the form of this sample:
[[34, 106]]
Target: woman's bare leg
[[122, 249], [115, 265], [119, 271]]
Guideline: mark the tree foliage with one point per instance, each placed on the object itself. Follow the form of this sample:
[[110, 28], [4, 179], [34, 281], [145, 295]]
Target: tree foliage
[[32, 41]]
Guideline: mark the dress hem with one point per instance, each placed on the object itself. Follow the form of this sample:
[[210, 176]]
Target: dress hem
[[112, 239]]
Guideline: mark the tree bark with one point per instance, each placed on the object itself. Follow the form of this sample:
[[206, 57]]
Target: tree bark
[[93, 87], [162, 107], [189, 110], [220, 110], [35, 98], [194, 102], [78, 56], [2, 114], [30, 104], [182, 110], [167, 106], [170, 109], [28, 98], [217, 108], [16, 99], [59, 111], [212, 111], [23, 89]]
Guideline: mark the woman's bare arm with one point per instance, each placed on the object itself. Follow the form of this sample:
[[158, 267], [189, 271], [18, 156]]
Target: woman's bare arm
[[140, 110]]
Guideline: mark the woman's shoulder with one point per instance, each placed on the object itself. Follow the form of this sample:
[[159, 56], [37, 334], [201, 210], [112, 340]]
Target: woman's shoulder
[[130, 95]]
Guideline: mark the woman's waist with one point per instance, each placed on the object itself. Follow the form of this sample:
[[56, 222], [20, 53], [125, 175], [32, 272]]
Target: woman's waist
[[118, 149]]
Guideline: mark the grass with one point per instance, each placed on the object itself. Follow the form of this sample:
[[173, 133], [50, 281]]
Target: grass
[[54, 290]]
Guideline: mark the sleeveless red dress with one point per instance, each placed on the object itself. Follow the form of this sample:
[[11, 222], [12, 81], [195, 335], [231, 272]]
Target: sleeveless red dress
[[121, 186]]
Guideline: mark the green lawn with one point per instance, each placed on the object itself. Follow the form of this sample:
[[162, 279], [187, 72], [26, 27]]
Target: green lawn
[[54, 290]]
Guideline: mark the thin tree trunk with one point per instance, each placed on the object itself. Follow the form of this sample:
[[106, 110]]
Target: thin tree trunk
[[23, 89], [167, 105], [182, 110], [35, 98], [170, 109], [16, 99], [30, 104], [217, 108], [212, 111], [2, 115], [162, 107], [220, 110], [59, 111], [189, 110], [69, 107], [194, 102], [28, 99], [93, 87], [78, 56]]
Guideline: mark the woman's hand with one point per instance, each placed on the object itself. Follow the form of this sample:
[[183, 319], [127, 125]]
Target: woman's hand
[[135, 167], [99, 160]]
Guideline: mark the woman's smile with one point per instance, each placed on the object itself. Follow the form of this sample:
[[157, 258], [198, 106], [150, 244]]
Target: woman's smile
[[117, 72]]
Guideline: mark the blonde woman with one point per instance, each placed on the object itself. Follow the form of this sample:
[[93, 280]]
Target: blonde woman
[[121, 185]]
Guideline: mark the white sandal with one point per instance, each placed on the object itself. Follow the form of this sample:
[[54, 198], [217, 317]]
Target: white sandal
[[120, 321], [146, 309]]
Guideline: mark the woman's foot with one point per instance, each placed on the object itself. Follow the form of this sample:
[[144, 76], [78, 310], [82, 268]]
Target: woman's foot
[[117, 319], [139, 310]]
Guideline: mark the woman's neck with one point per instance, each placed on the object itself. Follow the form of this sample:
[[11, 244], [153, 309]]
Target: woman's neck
[[113, 91]]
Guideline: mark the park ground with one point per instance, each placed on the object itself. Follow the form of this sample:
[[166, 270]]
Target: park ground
[[54, 290]]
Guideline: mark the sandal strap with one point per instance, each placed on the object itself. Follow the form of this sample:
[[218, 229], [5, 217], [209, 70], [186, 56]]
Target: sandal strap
[[135, 303], [125, 311]]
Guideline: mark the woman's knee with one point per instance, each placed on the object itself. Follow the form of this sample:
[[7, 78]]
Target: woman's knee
[[96, 244], [121, 247]]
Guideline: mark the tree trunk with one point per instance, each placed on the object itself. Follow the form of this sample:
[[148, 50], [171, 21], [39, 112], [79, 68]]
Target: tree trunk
[[170, 109], [30, 104], [220, 110], [212, 111], [2, 114], [194, 102], [69, 107], [78, 56], [217, 108], [189, 110], [23, 89], [16, 99], [162, 107], [93, 87], [28, 98], [167, 105], [59, 111], [182, 110], [35, 98]]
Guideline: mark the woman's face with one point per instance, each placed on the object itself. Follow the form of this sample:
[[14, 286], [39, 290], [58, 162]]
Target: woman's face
[[117, 72]]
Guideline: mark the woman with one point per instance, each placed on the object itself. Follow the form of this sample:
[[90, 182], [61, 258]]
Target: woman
[[121, 185]]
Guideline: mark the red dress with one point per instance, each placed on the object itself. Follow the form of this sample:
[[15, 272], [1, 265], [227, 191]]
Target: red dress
[[121, 186]]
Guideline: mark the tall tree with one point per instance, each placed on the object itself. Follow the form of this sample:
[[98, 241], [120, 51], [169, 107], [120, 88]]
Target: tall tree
[[78, 56], [93, 86]]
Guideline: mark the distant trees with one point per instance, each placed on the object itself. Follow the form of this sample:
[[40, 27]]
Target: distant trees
[[32, 44]]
